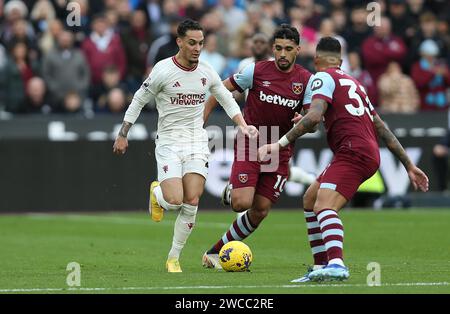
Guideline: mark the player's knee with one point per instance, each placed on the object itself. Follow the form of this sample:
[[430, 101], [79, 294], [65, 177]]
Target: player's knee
[[308, 199], [174, 200], [240, 204], [193, 201], [259, 214]]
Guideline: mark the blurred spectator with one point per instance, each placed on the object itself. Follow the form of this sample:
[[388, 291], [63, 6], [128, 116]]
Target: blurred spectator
[[359, 30], [136, 40], [22, 31], [72, 104], [65, 69], [165, 46], [82, 30], [103, 48], [14, 76], [260, 49], [49, 38], [117, 101], [233, 16], [274, 10], [256, 23], [428, 30], [14, 11], [159, 15], [397, 92], [308, 36], [327, 28], [402, 21], [41, 15], [362, 76], [440, 162], [210, 55], [339, 18], [381, 49], [195, 9], [311, 18], [432, 77], [36, 100], [110, 81]]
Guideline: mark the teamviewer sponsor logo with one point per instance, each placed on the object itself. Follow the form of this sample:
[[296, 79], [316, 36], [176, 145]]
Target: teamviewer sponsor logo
[[278, 100]]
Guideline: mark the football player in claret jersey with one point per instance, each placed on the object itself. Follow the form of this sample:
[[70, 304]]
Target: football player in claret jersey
[[179, 85], [353, 128], [277, 91]]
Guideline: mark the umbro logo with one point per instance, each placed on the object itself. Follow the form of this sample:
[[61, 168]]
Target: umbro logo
[[266, 83], [177, 84]]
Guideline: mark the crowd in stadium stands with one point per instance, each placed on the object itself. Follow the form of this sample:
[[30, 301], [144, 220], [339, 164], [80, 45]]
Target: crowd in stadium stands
[[48, 66]]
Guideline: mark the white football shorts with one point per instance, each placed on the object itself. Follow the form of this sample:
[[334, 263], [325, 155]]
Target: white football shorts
[[174, 161]]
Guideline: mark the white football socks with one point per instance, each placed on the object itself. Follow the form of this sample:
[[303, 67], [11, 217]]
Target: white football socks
[[183, 227]]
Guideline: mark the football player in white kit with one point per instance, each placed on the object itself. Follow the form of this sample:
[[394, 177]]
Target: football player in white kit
[[179, 86]]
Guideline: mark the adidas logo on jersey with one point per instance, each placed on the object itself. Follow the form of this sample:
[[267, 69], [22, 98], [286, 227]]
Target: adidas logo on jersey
[[278, 100], [177, 84]]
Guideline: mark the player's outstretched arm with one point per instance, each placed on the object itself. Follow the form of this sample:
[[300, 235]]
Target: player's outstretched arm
[[306, 125], [212, 102], [418, 178]]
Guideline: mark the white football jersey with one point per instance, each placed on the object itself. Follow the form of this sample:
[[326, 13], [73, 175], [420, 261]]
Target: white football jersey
[[180, 96]]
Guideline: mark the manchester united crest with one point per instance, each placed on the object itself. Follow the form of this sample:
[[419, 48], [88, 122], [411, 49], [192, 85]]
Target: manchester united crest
[[243, 177], [297, 88]]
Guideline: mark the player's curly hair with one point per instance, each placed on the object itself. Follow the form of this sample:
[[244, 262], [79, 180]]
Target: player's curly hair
[[188, 25], [329, 44], [286, 31]]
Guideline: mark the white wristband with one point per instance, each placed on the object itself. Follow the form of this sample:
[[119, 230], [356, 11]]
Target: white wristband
[[284, 141]]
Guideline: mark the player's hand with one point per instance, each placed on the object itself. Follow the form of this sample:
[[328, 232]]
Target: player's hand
[[120, 145], [297, 117], [265, 151], [418, 178], [250, 131]]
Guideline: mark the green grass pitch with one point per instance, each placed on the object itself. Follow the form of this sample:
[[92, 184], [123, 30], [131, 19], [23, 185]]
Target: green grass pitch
[[126, 253]]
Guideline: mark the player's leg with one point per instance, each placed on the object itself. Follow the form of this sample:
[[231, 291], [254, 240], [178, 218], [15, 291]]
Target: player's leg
[[338, 184], [193, 185], [314, 234], [167, 192], [318, 250]]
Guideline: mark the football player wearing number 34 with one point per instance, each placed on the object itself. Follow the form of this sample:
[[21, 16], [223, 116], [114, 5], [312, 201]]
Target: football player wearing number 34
[[353, 128]]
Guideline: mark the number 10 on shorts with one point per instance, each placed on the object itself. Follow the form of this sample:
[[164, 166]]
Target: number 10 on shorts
[[280, 183]]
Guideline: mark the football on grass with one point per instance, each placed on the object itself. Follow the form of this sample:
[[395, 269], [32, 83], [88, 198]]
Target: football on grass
[[235, 256]]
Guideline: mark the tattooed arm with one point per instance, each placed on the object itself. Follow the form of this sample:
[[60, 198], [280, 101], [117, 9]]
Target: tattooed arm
[[418, 178], [391, 141], [306, 125], [309, 122], [121, 143]]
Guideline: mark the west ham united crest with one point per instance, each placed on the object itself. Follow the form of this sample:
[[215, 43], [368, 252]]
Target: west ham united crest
[[243, 177], [297, 88]]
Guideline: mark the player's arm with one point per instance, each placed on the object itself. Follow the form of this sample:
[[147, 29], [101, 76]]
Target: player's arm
[[307, 124], [212, 102], [307, 98], [142, 97], [418, 178], [221, 91]]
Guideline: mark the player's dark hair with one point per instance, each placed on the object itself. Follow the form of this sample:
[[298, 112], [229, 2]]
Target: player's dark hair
[[188, 25], [329, 44], [286, 31]]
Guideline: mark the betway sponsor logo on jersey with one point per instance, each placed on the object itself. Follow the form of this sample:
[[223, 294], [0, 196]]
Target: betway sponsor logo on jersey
[[278, 100], [188, 99]]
